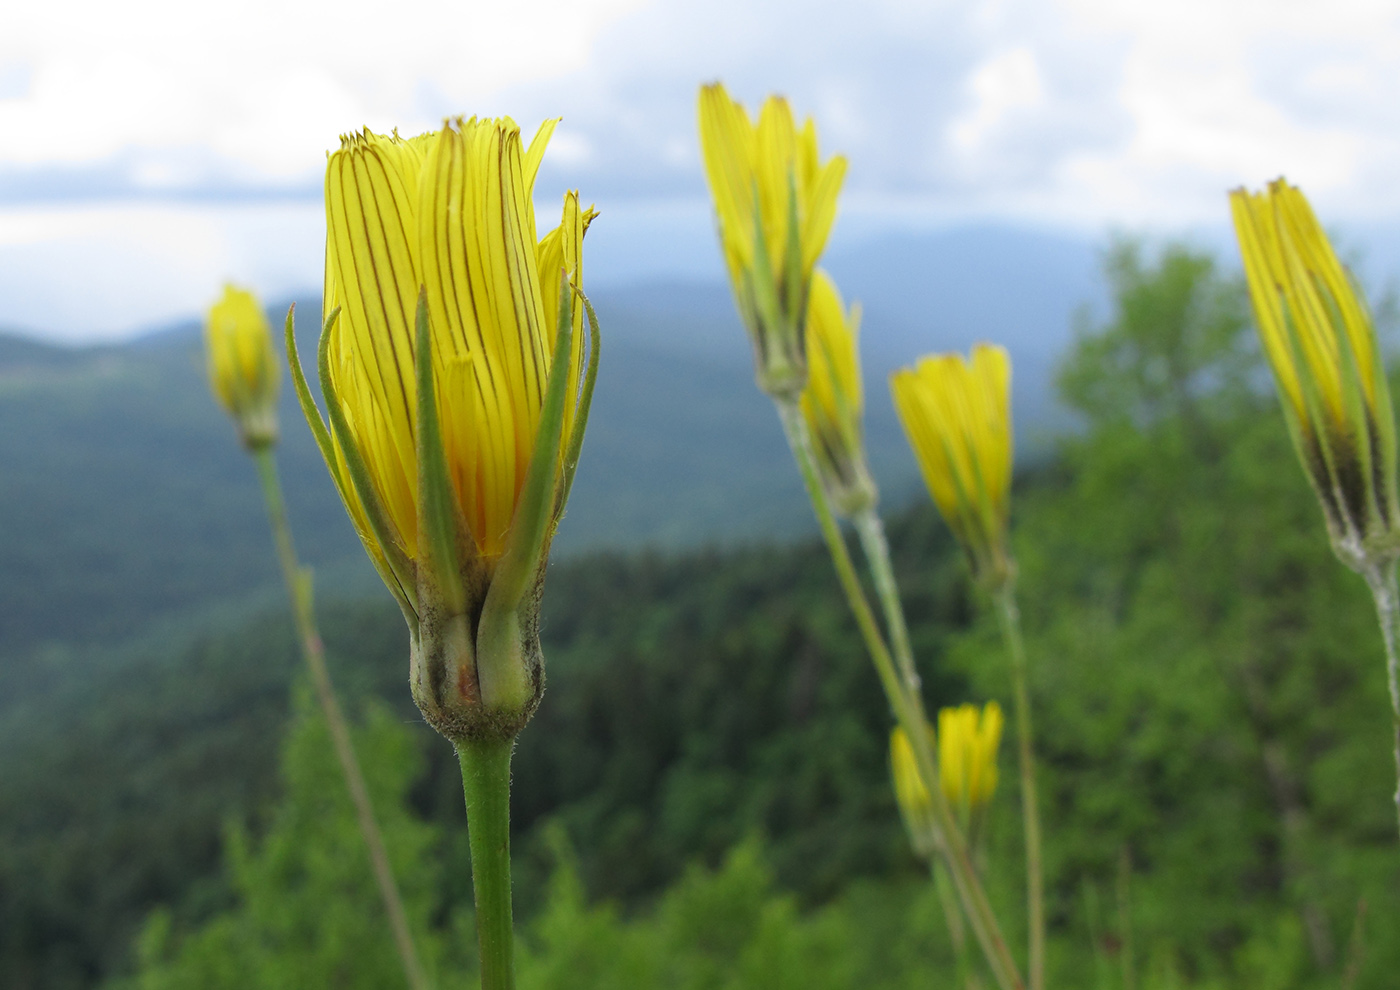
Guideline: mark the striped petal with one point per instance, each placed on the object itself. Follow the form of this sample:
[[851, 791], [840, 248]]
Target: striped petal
[[372, 275]]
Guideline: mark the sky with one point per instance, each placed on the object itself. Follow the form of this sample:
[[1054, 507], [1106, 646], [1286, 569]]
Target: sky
[[149, 150]]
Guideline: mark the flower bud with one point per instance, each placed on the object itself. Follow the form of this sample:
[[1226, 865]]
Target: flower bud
[[244, 371], [967, 758], [833, 401], [775, 203], [915, 802], [1331, 379], [957, 415], [453, 369]]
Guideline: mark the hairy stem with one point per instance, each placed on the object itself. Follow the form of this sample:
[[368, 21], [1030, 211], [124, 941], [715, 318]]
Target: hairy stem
[[1381, 578], [877, 554], [298, 581], [908, 710], [1010, 617], [486, 786]]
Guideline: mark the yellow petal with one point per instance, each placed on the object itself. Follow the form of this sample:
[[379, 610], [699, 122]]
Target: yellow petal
[[727, 141], [957, 417], [372, 275], [243, 366]]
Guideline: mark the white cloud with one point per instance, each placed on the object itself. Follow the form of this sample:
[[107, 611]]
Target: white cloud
[[268, 84], [88, 272], [1224, 93], [1079, 112], [1003, 86], [1094, 109]]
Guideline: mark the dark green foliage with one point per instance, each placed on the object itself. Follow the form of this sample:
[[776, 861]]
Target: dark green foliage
[[732, 929], [676, 723], [740, 702], [1208, 678], [306, 911]]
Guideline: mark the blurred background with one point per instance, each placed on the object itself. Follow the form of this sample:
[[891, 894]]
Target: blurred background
[[1047, 175]]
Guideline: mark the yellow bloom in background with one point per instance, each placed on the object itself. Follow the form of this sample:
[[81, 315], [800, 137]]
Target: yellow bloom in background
[[1317, 331], [244, 370], [775, 202], [957, 416], [915, 802], [833, 401], [967, 756], [453, 442]]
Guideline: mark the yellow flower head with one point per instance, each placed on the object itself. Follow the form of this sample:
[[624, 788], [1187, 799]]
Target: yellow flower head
[[967, 756], [775, 202], [452, 365], [915, 803], [957, 415], [243, 368], [833, 401], [1317, 332]]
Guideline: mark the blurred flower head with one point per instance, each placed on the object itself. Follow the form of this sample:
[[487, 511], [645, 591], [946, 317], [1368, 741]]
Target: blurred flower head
[[453, 366], [1317, 331], [957, 416], [967, 757], [775, 202], [915, 802], [833, 401], [244, 370]]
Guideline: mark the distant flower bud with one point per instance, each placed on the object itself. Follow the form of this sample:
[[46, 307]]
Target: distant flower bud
[[244, 370], [775, 203], [957, 415], [915, 802], [833, 401], [967, 757], [1330, 373]]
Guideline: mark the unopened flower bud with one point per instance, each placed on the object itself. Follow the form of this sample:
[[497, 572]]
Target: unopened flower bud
[[833, 401], [1331, 378], [244, 370], [915, 802], [775, 203], [957, 415], [967, 758]]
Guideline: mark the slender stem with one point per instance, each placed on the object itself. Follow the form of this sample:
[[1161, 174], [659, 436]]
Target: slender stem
[[877, 554], [486, 786], [907, 710], [1381, 578], [952, 916], [1010, 617], [313, 652]]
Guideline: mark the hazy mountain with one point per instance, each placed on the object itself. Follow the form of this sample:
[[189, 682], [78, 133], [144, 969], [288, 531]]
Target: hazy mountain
[[125, 497]]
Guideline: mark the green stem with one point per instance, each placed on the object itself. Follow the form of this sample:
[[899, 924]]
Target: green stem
[[486, 786], [1381, 578], [877, 553], [1010, 617], [298, 581], [952, 916], [907, 710]]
